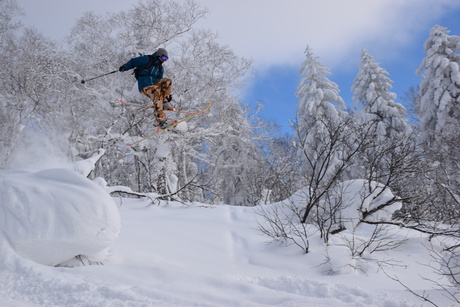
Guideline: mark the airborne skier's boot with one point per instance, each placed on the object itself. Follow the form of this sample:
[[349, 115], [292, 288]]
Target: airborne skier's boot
[[167, 106]]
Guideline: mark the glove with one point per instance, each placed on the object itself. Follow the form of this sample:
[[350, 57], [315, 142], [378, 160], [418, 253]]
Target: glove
[[122, 68], [169, 98]]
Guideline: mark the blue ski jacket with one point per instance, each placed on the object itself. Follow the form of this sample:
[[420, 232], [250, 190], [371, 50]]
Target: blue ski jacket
[[148, 76]]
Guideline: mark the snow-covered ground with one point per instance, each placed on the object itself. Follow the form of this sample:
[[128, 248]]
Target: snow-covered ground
[[175, 254]]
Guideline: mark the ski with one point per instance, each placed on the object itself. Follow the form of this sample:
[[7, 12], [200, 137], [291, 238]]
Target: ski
[[170, 126], [150, 107]]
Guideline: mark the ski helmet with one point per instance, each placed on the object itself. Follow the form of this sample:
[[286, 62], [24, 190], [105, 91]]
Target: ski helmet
[[161, 52]]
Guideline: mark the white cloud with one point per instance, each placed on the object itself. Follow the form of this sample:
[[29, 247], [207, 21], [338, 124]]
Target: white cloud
[[54, 18], [276, 32]]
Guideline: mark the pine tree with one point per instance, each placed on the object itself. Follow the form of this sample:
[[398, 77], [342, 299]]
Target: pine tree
[[320, 111], [438, 108], [318, 96], [371, 89], [389, 152], [438, 102], [323, 135]]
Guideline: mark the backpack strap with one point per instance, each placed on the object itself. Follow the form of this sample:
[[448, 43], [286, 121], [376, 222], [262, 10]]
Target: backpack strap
[[138, 70]]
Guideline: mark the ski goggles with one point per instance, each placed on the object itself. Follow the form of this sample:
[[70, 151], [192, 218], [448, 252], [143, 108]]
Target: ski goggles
[[164, 58]]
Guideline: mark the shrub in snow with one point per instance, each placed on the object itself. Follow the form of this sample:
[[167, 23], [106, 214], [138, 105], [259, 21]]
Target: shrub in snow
[[348, 207], [55, 215]]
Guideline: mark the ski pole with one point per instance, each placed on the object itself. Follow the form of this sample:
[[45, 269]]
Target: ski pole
[[83, 81]]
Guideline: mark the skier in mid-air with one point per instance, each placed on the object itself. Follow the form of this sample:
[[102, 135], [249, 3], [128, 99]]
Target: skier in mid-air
[[149, 74]]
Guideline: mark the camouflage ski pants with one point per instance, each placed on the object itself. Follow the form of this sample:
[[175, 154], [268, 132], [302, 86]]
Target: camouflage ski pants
[[158, 94]]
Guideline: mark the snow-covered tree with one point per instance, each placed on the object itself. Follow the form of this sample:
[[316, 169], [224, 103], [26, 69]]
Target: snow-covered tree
[[371, 90], [202, 71], [323, 138], [320, 110], [156, 23], [318, 97], [438, 108], [34, 90], [101, 44], [219, 143], [381, 120], [233, 157], [278, 172], [8, 20], [438, 102], [9, 117]]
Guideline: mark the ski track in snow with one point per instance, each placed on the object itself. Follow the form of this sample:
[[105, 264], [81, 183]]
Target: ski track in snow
[[175, 255]]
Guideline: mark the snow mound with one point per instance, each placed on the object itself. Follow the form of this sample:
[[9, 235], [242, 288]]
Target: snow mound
[[52, 216], [370, 198], [357, 200]]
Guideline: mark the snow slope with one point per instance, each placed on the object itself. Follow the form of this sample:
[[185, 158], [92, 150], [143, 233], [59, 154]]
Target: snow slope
[[198, 255]]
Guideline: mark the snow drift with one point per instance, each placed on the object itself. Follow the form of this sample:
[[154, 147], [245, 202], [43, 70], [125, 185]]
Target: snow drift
[[366, 197], [54, 215]]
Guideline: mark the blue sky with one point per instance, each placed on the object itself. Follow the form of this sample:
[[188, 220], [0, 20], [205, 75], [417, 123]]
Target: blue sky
[[274, 34]]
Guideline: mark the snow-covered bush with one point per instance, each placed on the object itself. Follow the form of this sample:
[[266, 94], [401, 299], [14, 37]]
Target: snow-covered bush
[[347, 206]]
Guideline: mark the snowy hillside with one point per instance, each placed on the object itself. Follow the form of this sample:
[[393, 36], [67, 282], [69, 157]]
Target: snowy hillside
[[178, 254]]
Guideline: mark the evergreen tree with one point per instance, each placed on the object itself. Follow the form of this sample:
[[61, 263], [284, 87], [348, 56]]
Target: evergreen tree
[[318, 97], [438, 102], [323, 136], [438, 108], [371, 89], [320, 110]]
